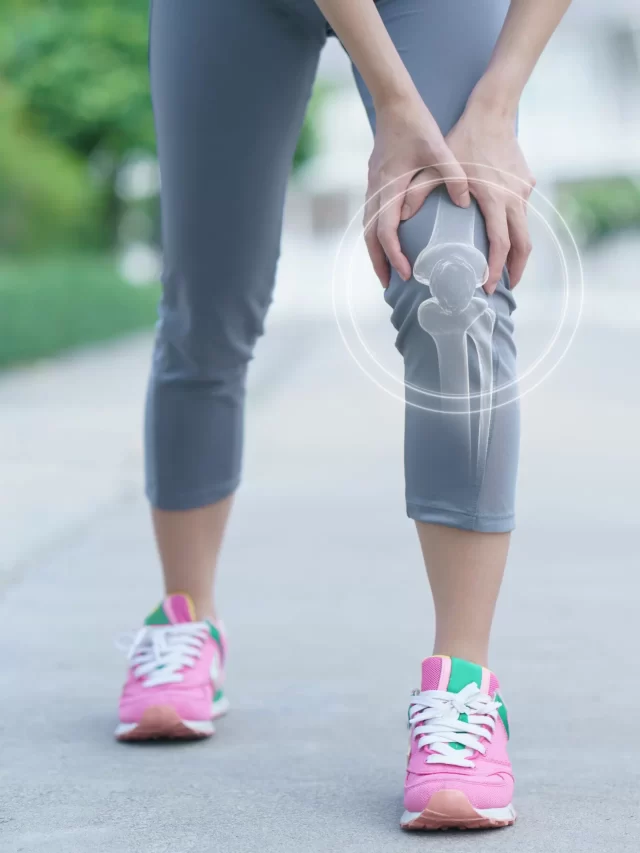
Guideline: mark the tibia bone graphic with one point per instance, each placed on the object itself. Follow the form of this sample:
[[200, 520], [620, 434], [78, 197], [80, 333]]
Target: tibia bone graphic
[[453, 269]]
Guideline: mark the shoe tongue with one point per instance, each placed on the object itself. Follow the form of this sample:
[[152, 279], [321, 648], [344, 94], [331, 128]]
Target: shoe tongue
[[453, 675], [173, 610]]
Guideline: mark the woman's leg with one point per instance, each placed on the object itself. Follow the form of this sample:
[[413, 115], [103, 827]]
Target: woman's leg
[[189, 543], [462, 503], [465, 571], [230, 83], [460, 464]]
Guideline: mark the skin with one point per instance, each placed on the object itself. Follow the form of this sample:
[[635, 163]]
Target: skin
[[465, 571], [189, 543], [480, 156]]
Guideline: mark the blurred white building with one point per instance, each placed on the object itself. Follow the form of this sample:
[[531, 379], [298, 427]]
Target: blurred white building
[[581, 109]]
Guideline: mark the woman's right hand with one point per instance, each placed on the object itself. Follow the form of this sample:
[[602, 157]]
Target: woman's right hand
[[407, 141]]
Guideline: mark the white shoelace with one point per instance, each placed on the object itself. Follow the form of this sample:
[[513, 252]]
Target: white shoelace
[[159, 652], [434, 719]]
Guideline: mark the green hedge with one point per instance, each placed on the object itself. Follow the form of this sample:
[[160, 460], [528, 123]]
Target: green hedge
[[597, 208], [51, 305]]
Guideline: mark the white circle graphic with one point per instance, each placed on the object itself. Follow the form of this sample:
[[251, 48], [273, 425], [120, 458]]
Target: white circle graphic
[[542, 366]]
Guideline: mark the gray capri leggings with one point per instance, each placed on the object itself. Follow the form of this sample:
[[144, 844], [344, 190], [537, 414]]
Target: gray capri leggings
[[230, 83]]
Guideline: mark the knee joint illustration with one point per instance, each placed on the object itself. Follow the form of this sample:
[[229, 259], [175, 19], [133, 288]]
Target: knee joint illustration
[[453, 269]]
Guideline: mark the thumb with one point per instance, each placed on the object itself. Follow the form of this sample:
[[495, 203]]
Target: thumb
[[457, 183], [421, 186]]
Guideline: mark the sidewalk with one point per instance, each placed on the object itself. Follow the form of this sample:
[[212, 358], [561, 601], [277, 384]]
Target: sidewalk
[[323, 594]]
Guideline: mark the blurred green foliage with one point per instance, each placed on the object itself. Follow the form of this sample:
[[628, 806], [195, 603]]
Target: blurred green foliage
[[594, 209], [45, 196], [76, 74], [308, 142], [53, 304], [81, 69]]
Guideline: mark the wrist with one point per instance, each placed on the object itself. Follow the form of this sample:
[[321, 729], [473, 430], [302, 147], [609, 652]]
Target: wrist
[[494, 97], [398, 94]]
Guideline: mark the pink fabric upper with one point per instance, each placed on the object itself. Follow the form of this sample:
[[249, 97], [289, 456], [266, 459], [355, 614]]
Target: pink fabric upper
[[192, 698], [431, 671], [488, 785]]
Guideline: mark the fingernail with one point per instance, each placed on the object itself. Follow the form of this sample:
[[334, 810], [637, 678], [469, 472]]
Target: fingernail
[[465, 200], [405, 213]]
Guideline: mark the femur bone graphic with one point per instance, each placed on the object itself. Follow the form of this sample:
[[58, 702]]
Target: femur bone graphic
[[453, 269]]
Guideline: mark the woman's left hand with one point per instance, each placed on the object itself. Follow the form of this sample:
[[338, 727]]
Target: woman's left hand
[[484, 142]]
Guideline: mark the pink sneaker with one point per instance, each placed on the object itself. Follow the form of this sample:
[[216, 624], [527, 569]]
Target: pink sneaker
[[458, 771], [174, 687]]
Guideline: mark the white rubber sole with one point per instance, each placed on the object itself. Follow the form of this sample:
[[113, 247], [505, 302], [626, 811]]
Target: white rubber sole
[[161, 722], [452, 810]]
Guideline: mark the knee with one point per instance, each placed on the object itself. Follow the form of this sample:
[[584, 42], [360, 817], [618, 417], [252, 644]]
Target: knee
[[447, 247], [199, 354], [440, 223], [204, 336]]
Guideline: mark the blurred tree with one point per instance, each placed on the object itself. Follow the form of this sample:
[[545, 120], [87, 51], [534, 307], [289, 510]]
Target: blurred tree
[[81, 72], [82, 69], [45, 197]]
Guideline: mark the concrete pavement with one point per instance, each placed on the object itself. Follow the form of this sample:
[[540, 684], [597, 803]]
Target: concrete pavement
[[324, 597]]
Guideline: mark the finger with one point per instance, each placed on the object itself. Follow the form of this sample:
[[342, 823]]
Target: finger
[[375, 250], [456, 180], [520, 244], [391, 201], [420, 188], [378, 258], [498, 233]]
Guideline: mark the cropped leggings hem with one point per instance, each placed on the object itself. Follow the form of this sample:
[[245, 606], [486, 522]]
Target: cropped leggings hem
[[433, 514], [171, 501]]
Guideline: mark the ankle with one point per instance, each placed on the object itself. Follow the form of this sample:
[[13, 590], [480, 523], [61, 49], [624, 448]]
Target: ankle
[[205, 610], [473, 654], [203, 605]]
